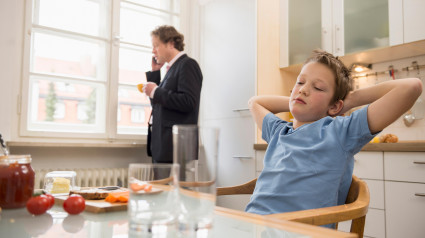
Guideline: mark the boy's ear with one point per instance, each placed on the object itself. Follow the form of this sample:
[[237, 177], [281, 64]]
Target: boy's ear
[[335, 108]]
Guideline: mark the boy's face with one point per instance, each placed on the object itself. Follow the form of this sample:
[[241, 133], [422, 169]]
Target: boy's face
[[312, 94]]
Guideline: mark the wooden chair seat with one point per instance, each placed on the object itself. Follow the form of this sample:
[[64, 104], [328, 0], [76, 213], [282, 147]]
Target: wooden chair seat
[[354, 209]]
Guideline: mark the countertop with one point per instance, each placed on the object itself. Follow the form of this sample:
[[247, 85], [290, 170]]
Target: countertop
[[402, 146]]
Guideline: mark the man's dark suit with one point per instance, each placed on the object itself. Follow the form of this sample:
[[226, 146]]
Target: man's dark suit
[[175, 101]]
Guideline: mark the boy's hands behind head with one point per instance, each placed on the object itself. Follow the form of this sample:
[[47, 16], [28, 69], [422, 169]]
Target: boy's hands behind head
[[347, 105]]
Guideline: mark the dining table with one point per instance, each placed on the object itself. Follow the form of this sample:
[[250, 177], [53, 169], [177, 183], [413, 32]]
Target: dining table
[[227, 223]]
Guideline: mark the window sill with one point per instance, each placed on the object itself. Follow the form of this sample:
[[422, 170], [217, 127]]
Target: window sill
[[138, 144]]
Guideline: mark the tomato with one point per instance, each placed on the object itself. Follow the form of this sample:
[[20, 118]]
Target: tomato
[[38, 205], [74, 204], [50, 198]]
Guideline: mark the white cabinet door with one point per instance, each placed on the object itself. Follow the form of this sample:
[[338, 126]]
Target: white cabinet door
[[406, 20], [376, 190], [414, 18], [405, 209], [340, 27], [374, 226], [236, 157], [369, 165], [228, 60], [228, 57], [405, 166]]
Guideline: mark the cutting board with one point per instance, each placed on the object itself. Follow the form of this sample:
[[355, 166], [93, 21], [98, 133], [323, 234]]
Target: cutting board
[[96, 206]]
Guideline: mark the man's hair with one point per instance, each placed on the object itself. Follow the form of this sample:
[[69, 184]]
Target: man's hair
[[167, 34], [343, 79]]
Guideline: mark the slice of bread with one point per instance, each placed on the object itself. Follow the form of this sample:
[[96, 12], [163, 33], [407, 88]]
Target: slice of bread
[[95, 193]]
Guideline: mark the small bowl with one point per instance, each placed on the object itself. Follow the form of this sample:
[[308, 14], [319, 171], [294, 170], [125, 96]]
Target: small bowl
[[59, 182]]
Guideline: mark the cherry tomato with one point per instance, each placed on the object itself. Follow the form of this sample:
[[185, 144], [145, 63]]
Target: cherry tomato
[[50, 198], [38, 205], [74, 204]]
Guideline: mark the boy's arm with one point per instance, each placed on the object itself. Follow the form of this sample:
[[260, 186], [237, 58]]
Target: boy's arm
[[260, 106], [388, 101]]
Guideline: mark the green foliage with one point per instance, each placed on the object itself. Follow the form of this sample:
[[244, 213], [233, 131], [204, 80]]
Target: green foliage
[[51, 101], [91, 108]]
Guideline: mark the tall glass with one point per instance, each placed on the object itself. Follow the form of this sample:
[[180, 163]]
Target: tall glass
[[195, 150], [153, 199]]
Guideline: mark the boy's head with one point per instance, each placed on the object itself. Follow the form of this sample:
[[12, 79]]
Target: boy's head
[[343, 79], [321, 87]]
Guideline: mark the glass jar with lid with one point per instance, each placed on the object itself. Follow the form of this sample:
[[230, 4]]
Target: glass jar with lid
[[16, 180]]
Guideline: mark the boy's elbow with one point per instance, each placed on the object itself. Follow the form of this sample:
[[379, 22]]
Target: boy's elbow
[[251, 102], [416, 87]]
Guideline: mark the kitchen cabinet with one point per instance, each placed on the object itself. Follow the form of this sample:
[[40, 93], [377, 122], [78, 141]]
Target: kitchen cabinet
[[228, 62], [396, 182], [406, 21], [339, 27], [404, 194], [405, 209], [369, 166], [236, 163]]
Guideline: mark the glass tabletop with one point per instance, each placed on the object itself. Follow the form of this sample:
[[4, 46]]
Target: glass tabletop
[[57, 223]]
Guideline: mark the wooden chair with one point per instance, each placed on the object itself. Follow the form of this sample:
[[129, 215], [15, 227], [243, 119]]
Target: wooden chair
[[354, 209]]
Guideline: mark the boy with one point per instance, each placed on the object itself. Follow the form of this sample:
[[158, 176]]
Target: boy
[[309, 162]]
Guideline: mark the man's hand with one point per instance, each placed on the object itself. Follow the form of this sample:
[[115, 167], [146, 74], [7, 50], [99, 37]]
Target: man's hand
[[148, 87], [155, 65]]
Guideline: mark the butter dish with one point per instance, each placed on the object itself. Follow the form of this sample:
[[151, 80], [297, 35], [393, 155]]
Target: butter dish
[[59, 182]]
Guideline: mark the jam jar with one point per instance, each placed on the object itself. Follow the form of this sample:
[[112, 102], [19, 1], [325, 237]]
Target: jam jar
[[16, 180]]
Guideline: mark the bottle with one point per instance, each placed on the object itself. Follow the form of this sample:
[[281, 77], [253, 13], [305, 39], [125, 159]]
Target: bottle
[[16, 181]]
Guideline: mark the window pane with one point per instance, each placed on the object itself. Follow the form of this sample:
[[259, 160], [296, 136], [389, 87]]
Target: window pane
[[136, 23], [133, 65], [54, 107], [82, 16], [167, 5], [134, 111], [58, 55]]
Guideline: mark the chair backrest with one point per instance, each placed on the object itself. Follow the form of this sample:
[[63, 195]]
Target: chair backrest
[[354, 209]]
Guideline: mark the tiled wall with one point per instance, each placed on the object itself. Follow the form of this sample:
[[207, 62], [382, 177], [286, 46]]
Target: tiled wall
[[417, 130]]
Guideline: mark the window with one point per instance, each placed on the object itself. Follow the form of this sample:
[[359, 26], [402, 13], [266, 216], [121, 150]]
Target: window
[[82, 62], [137, 115]]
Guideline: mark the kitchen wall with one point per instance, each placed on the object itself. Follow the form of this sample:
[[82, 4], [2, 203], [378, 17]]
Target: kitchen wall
[[11, 43], [417, 130]]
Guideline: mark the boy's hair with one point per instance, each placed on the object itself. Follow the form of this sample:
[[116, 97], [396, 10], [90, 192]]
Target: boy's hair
[[167, 34], [343, 79]]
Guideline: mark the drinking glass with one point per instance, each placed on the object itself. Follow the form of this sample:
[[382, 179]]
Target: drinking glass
[[195, 150], [153, 199]]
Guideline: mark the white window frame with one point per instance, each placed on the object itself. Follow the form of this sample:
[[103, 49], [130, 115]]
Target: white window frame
[[111, 86]]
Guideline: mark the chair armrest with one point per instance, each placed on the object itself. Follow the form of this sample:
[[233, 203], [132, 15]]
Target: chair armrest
[[329, 215], [246, 188]]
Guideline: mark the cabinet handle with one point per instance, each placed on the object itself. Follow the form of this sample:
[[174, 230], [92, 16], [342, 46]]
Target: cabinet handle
[[419, 162], [240, 110], [242, 157], [337, 48], [420, 194]]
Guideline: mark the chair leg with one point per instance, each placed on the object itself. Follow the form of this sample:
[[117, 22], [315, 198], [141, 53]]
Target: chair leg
[[357, 226]]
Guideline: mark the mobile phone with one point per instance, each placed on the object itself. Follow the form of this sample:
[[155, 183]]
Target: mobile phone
[[154, 60]]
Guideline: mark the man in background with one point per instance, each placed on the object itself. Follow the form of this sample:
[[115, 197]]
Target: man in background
[[175, 99]]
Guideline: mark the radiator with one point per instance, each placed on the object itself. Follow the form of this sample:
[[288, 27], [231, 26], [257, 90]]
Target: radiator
[[95, 177]]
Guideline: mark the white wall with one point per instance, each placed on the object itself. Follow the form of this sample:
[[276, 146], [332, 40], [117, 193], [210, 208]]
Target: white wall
[[11, 42]]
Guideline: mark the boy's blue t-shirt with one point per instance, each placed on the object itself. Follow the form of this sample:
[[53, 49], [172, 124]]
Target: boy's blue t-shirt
[[310, 167]]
